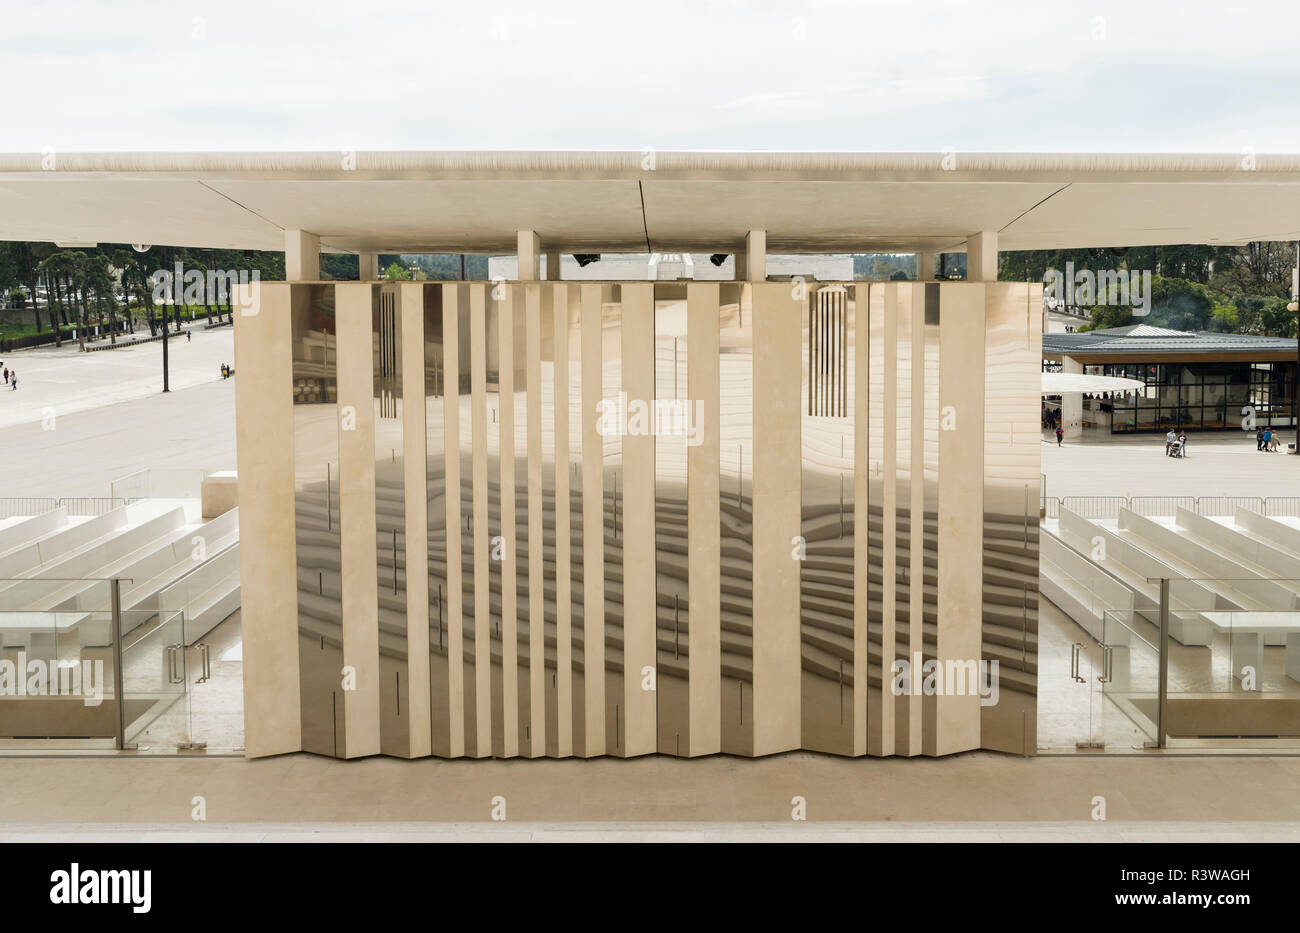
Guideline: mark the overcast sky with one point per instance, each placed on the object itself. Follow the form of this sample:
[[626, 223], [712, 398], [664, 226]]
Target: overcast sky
[[1002, 75]]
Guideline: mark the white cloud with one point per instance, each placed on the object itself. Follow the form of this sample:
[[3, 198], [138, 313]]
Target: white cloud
[[678, 74]]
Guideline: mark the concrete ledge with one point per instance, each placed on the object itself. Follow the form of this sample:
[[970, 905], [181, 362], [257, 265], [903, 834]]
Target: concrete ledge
[[220, 493]]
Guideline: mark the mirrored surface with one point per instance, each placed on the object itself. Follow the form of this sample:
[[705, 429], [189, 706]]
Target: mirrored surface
[[826, 584], [672, 607], [877, 580], [436, 492], [1013, 356], [925, 612], [390, 522], [574, 423], [612, 527], [904, 567], [525, 497], [465, 452], [495, 323], [550, 518], [316, 517], [736, 449]]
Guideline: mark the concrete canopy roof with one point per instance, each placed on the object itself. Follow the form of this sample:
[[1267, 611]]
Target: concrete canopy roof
[[658, 202], [1145, 344]]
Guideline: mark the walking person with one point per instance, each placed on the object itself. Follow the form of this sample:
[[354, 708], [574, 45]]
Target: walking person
[[1259, 438], [1170, 440], [1268, 439], [1182, 442], [1059, 435]]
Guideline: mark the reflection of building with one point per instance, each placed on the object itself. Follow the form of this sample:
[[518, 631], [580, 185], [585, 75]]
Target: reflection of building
[[1195, 381]]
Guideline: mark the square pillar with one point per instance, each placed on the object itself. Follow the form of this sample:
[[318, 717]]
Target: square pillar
[[925, 267], [755, 257], [1071, 403], [268, 566], [368, 267], [301, 256], [982, 257], [552, 265], [529, 251]]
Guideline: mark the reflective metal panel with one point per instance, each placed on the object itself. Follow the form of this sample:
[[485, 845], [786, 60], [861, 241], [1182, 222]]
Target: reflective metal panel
[[550, 519], [592, 559], [390, 522], [436, 503], [736, 451], [879, 579], [574, 423], [925, 553], [523, 503], [1013, 355], [539, 678], [491, 481], [904, 453], [316, 517], [611, 511], [669, 414], [826, 583], [465, 452]]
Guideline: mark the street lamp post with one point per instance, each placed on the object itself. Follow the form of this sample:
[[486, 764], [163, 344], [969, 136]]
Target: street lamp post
[[172, 298]]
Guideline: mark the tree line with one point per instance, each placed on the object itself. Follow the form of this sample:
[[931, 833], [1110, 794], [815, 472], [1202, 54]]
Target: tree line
[[1227, 289], [81, 285]]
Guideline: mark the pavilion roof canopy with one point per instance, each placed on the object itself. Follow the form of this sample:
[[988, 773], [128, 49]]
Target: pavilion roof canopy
[[1145, 343], [648, 201]]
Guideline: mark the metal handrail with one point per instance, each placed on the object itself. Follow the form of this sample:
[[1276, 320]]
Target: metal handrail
[[1271, 506]]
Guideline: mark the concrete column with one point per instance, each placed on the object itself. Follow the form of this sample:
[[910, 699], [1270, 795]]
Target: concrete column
[[369, 267], [301, 256], [268, 569], [552, 265], [529, 251], [777, 471], [982, 257], [755, 256], [958, 624], [638, 504], [925, 267], [1072, 403], [359, 600]]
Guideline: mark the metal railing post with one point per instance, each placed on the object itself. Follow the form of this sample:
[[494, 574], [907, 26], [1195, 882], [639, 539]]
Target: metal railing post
[[119, 681], [1162, 720]]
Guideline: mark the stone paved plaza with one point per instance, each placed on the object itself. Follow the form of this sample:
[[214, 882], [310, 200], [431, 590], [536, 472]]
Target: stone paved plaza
[[1217, 464]]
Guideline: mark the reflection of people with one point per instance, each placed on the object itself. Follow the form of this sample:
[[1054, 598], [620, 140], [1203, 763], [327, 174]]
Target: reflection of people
[[1059, 435]]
